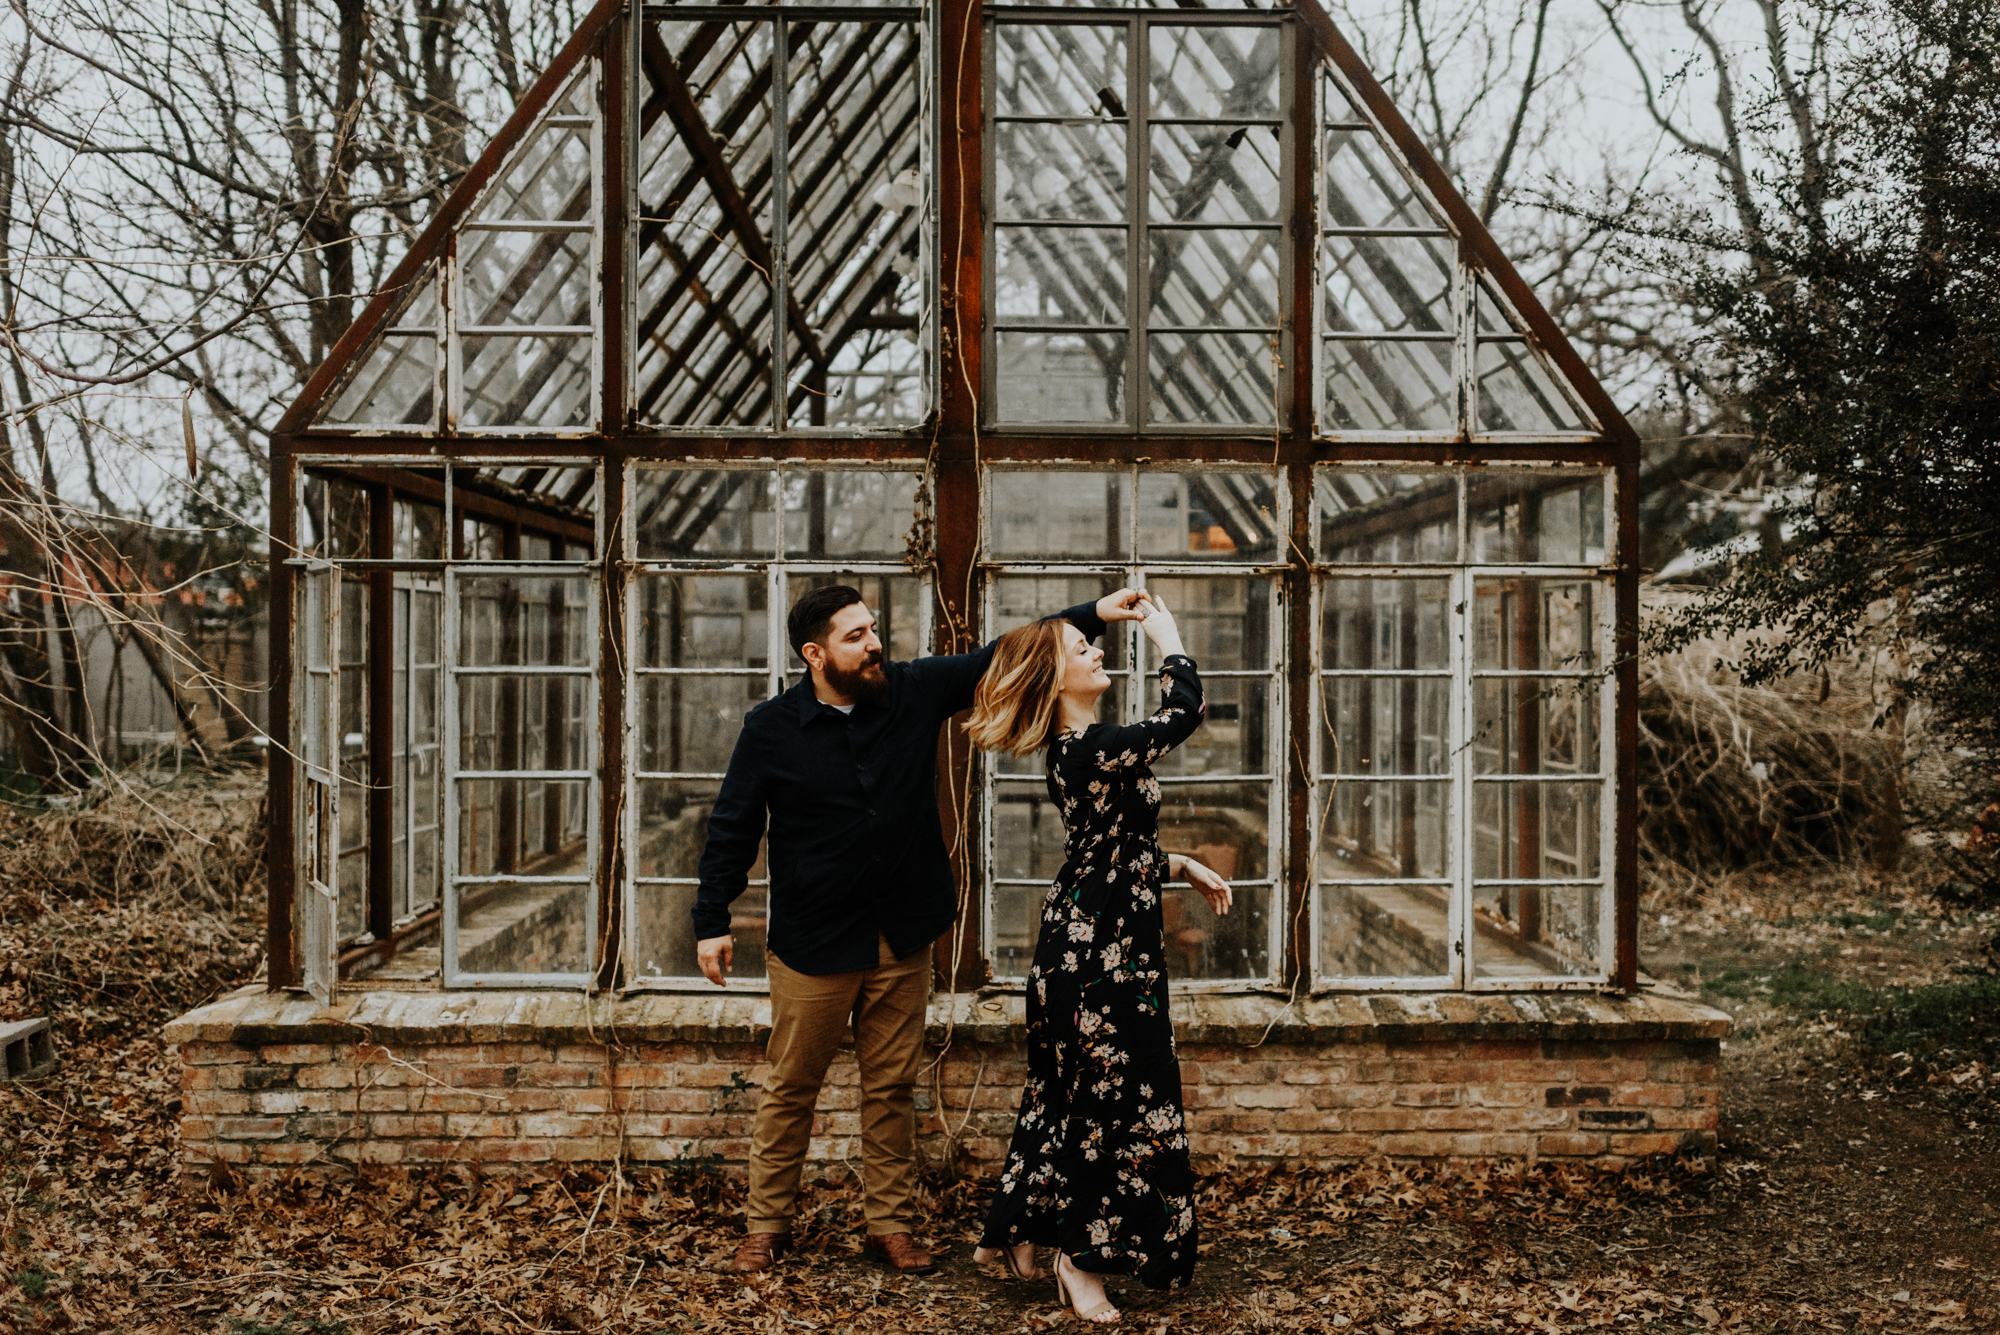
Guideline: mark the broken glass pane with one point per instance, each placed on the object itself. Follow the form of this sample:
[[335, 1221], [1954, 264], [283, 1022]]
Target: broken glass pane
[[1065, 69], [525, 278], [1518, 392], [1208, 517], [526, 381], [1213, 72], [1220, 379], [1216, 173], [1059, 275], [1058, 516], [1531, 931], [1391, 284], [1376, 516], [1060, 377], [1390, 386], [706, 512], [855, 208], [1211, 277], [1066, 171]]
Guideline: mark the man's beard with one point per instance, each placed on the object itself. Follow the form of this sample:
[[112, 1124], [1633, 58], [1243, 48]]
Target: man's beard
[[858, 684]]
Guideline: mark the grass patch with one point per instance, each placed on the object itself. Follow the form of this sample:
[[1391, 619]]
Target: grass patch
[[286, 1325], [32, 1282]]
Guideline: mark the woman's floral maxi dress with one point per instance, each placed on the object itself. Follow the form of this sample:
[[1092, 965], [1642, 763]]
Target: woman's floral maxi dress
[[1098, 1166]]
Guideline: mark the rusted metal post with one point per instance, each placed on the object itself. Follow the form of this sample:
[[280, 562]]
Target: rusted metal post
[[281, 854], [381, 715]]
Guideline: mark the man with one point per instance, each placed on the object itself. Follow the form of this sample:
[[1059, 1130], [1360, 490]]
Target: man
[[844, 767]]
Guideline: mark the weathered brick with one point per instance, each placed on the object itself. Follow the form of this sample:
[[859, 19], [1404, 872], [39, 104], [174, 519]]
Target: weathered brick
[[215, 1054], [1427, 1096], [478, 1124], [1569, 1144], [297, 1054], [290, 1152], [1651, 1096], [250, 1128], [275, 1101], [216, 1103], [1267, 1096]]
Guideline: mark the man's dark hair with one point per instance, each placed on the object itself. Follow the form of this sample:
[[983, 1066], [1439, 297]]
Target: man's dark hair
[[812, 614]]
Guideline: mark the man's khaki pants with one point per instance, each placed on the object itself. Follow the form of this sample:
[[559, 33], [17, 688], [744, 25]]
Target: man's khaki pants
[[810, 1014]]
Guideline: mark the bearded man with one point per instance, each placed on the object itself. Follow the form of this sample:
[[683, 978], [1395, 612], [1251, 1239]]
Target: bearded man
[[843, 768]]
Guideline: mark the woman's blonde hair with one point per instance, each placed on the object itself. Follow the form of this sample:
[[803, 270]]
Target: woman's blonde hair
[[1014, 709]]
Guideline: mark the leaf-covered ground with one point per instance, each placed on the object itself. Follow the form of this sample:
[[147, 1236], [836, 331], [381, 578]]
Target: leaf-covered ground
[[1857, 1188]]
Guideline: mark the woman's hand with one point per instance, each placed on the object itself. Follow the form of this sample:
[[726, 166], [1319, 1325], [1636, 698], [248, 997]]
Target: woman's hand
[[1160, 628], [1213, 888]]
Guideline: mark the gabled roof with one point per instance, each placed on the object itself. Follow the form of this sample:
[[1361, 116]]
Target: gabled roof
[[530, 226]]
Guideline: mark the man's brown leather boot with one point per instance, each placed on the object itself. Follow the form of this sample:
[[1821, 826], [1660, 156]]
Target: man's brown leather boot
[[899, 1251], [758, 1251]]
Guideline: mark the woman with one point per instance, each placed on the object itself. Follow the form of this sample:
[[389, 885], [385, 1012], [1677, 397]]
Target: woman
[[1098, 1167]]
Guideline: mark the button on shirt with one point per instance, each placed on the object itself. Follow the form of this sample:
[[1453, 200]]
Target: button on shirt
[[856, 848]]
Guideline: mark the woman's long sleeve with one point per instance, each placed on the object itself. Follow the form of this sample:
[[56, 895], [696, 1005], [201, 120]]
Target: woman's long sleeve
[[1141, 743]]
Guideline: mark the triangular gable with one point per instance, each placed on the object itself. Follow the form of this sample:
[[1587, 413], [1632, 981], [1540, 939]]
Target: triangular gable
[[1409, 332]]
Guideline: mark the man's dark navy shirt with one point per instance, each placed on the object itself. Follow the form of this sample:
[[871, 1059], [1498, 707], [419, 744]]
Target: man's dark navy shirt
[[856, 849]]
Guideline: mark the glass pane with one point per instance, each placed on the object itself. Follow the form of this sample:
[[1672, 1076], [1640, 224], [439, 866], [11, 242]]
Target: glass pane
[[1059, 70], [524, 620], [665, 929], [419, 530], [336, 521], [550, 179], [1385, 829], [1383, 625], [1391, 284], [522, 723], [1535, 931], [538, 278], [1226, 826], [527, 381], [1518, 392], [896, 601], [1028, 832], [1226, 277], [1383, 386], [1536, 517], [1203, 947], [1072, 172], [1059, 275], [350, 731], [850, 513], [1382, 517], [395, 385], [1220, 379], [1535, 830], [855, 211], [1214, 72], [703, 621], [1234, 736], [1535, 725], [1384, 931], [1017, 922], [1385, 725], [528, 827], [1056, 516], [1366, 187], [1208, 517], [1019, 599], [1060, 377], [689, 724], [1225, 622], [717, 513], [1536, 625], [704, 329], [510, 928], [1216, 173]]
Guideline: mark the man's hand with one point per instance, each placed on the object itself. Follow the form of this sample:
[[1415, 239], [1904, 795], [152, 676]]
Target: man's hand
[[1124, 605], [715, 955]]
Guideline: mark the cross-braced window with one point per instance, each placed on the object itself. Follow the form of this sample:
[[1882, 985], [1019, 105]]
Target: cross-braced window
[[1136, 184], [1207, 543]]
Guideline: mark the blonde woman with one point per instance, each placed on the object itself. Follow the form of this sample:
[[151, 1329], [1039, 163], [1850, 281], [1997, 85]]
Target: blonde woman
[[1098, 1167]]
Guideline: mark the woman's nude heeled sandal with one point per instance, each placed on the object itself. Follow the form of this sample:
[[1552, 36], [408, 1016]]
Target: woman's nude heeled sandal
[[1096, 1315], [1005, 1256]]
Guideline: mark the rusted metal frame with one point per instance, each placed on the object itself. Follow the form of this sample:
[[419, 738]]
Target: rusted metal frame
[[1527, 753], [616, 58], [961, 209], [381, 712], [507, 707], [1625, 679], [1487, 255], [614, 852], [281, 853], [432, 244]]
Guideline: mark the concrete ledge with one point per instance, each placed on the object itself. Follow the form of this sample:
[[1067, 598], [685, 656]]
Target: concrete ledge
[[253, 1017]]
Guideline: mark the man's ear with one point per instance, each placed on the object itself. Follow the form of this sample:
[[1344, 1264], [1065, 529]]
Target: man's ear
[[815, 655]]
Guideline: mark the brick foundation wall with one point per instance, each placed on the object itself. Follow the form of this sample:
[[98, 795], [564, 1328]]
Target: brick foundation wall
[[538, 1080]]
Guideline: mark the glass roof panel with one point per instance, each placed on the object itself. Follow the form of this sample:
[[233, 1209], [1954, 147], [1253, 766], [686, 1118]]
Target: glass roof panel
[[1384, 386], [1519, 392], [1389, 284], [394, 382], [1213, 72], [1060, 69], [1216, 173]]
